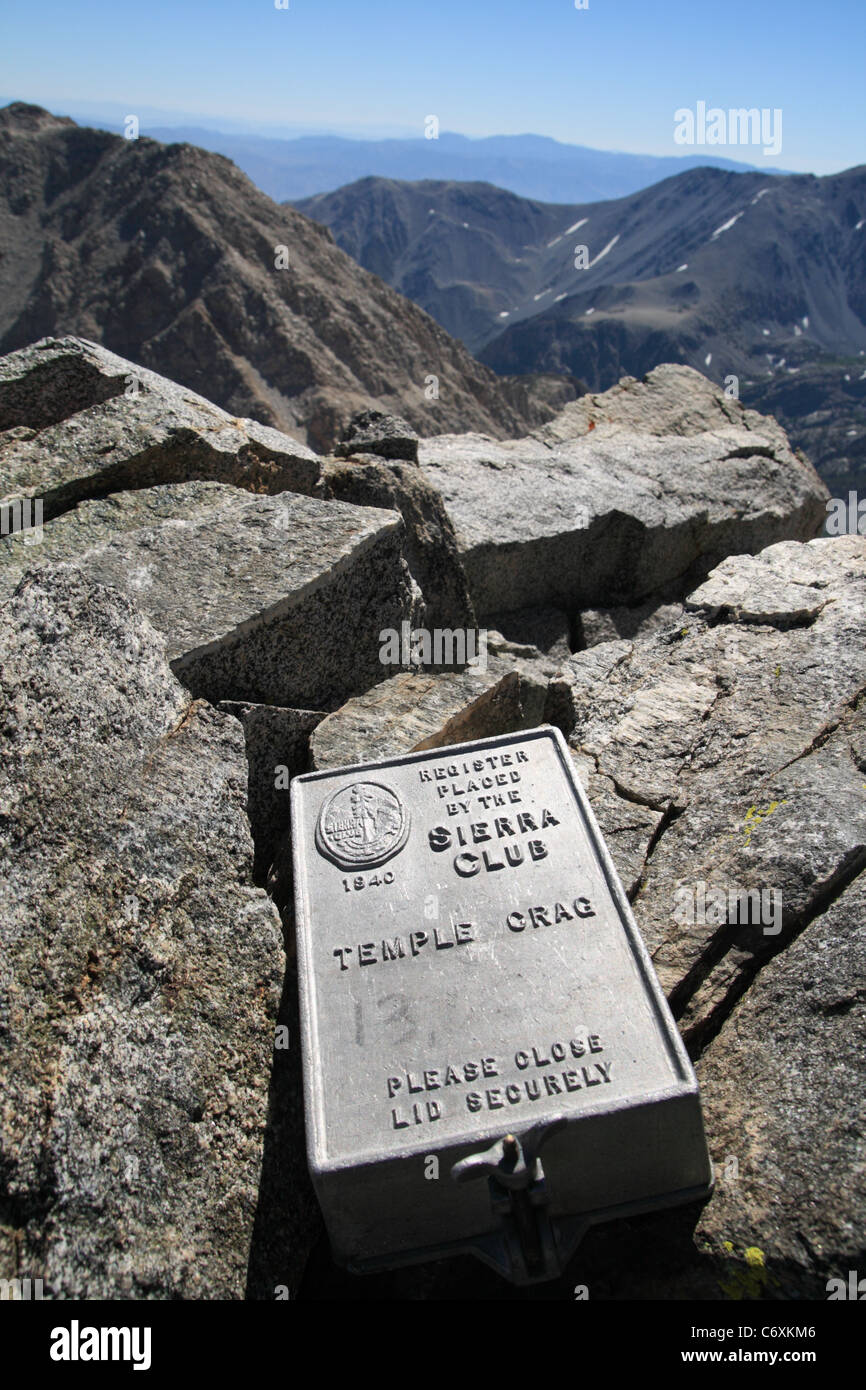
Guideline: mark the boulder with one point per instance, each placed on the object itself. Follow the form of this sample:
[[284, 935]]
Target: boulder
[[278, 749], [670, 400], [627, 496], [141, 969], [81, 422], [270, 600], [783, 1099], [417, 710], [738, 741], [430, 546], [374, 432], [743, 737], [612, 521]]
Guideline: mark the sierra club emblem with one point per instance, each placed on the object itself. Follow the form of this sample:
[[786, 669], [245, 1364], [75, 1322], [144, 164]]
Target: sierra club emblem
[[362, 825]]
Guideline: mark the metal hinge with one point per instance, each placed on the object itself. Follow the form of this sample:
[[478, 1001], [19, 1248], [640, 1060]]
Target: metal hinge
[[519, 1198]]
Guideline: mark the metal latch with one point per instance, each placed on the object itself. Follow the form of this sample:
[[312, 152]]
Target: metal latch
[[519, 1197]]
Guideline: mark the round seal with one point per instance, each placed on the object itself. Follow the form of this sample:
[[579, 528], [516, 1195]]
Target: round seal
[[362, 825]]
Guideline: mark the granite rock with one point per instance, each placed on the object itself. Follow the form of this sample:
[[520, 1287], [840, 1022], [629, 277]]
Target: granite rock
[[270, 600], [784, 1103], [611, 624], [606, 520], [416, 710], [430, 546], [746, 738], [375, 432], [278, 749], [672, 399], [81, 422], [546, 629], [141, 969]]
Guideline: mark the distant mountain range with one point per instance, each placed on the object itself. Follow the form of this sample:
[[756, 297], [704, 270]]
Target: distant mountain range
[[737, 274], [169, 256], [531, 165]]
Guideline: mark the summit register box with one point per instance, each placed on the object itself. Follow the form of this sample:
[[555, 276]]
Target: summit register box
[[489, 1062]]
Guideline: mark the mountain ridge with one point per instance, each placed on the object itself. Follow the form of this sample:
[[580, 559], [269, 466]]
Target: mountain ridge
[[168, 255], [740, 276], [537, 166]]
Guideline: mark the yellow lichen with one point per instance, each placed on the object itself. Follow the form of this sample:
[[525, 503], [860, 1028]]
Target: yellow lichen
[[751, 1281], [754, 817]]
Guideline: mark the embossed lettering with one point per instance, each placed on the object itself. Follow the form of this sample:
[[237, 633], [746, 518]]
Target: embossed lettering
[[467, 865]]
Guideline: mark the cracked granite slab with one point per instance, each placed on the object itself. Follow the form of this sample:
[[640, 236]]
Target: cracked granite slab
[[268, 600], [611, 518], [78, 421]]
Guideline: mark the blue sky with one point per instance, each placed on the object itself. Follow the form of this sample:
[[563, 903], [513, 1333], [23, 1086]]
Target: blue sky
[[610, 76]]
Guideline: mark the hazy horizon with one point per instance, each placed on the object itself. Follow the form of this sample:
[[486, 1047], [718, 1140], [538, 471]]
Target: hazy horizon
[[608, 77]]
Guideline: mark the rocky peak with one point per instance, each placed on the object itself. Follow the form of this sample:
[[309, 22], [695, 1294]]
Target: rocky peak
[[22, 117], [198, 616]]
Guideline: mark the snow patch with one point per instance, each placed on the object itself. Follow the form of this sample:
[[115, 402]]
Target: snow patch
[[609, 247], [682, 267], [568, 231], [726, 225]]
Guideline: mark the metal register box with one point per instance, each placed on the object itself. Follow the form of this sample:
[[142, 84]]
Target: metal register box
[[489, 1062]]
